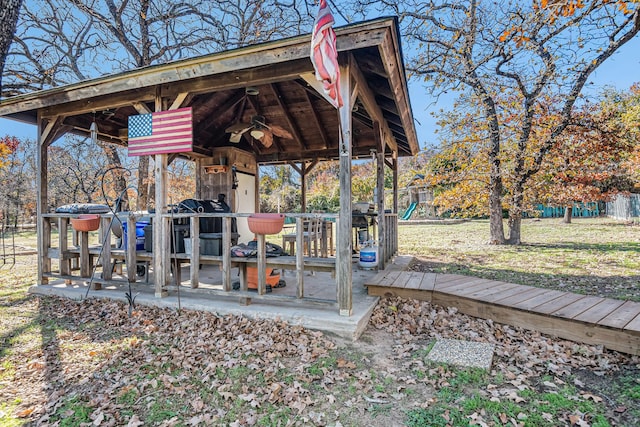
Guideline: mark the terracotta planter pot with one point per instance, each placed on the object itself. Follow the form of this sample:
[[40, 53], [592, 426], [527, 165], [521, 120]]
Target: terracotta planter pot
[[266, 223], [86, 222]]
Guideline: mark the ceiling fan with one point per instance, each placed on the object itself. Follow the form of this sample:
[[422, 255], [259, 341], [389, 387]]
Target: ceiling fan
[[258, 129]]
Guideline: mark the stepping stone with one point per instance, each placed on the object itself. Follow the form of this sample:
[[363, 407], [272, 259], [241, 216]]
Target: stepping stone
[[462, 353]]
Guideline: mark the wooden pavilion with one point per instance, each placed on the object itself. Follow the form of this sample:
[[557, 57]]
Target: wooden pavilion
[[270, 85]]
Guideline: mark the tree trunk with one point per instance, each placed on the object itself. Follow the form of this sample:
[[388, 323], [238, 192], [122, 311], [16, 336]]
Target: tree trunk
[[568, 210], [9, 12], [496, 226], [515, 214], [515, 223], [143, 182]]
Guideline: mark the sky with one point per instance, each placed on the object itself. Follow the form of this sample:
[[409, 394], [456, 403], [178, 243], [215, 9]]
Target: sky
[[619, 71]]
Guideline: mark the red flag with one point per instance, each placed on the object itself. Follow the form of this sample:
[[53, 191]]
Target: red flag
[[161, 132], [324, 54]]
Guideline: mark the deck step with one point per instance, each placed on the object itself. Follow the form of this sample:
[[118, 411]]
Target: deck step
[[615, 324]]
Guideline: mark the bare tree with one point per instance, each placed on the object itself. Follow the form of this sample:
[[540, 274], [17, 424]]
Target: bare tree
[[62, 41], [497, 48], [9, 11]]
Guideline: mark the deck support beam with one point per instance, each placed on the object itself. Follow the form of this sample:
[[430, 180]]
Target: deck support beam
[[344, 252], [380, 148], [161, 228]]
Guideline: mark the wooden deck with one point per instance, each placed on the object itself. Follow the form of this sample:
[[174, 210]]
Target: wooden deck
[[615, 324]]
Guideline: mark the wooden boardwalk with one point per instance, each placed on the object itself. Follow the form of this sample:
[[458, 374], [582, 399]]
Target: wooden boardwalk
[[615, 324]]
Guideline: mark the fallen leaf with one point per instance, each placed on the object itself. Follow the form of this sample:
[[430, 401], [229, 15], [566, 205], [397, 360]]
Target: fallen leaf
[[25, 413], [503, 418], [595, 398]]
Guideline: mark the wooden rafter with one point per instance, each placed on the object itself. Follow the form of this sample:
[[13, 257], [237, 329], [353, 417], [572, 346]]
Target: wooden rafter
[[369, 101], [316, 119], [287, 116]]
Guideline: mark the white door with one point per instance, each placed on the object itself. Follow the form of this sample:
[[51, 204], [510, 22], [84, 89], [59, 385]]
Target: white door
[[245, 203]]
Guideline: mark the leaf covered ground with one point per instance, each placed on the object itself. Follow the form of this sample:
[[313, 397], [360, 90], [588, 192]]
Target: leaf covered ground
[[73, 363]]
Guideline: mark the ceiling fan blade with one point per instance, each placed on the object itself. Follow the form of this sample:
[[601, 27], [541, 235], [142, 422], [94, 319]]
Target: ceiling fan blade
[[267, 139], [281, 132], [239, 128], [235, 137]]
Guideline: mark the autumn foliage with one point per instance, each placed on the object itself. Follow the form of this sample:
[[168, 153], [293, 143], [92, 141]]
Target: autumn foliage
[[594, 158], [8, 144]]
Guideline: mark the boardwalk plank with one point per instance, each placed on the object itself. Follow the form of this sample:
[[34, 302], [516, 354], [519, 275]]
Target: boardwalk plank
[[468, 285], [390, 278], [415, 279], [428, 282], [444, 280], [525, 295], [621, 316], [558, 303], [599, 311], [487, 287], [531, 303], [492, 297], [633, 326], [482, 294], [572, 310], [375, 280], [402, 279]]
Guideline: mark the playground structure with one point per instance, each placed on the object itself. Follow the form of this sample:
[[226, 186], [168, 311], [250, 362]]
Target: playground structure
[[417, 197]]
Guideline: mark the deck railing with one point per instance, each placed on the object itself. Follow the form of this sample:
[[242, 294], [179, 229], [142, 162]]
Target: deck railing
[[93, 258], [80, 253]]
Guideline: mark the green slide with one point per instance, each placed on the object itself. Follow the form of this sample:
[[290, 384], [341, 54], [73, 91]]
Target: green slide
[[408, 212]]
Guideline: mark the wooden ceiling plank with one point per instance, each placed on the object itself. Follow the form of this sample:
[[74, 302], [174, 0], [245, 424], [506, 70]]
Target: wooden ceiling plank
[[230, 103], [393, 63], [316, 119], [369, 101], [287, 116], [310, 78]]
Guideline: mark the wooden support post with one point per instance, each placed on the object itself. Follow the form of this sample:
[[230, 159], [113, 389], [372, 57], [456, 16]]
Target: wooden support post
[[382, 229], [131, 248], [394, 170], [161, 229], [300, 257], [344, 267], [194, 232], [43, 224], [105, 238], [63, 246], [262, 265], [226, 254], [85, 265]]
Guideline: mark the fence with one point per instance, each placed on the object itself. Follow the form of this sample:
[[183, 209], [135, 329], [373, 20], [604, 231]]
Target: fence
[[624, 207], [579, 210]]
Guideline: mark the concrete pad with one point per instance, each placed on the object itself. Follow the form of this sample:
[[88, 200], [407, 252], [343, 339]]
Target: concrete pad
[[323, 317], [466, 354]]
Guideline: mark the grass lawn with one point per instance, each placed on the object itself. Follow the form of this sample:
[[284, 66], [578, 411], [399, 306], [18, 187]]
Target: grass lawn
[[75, 363], [594, 256]]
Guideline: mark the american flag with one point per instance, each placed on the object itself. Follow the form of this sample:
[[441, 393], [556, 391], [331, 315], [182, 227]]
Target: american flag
[[162, 132], [324, 54]]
